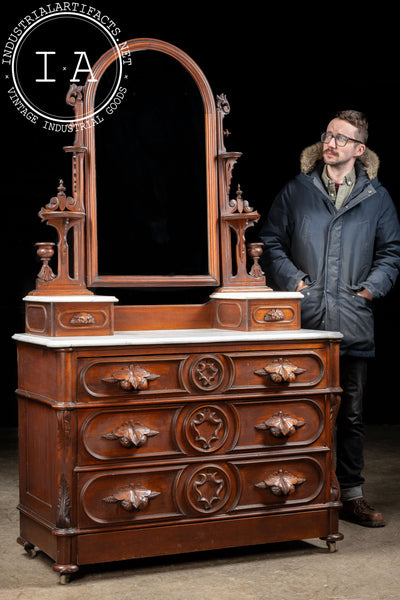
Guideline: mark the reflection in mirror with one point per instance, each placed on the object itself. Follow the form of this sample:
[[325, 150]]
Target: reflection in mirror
[[151, 174]]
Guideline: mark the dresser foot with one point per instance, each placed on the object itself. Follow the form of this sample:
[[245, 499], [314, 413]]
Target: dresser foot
[[28, 547], [332, 539], [65, 572]]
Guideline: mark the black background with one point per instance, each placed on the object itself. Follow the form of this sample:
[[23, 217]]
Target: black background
[[285, 70]]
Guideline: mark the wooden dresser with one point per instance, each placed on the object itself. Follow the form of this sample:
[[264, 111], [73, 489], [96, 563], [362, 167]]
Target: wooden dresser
[[153, 430]]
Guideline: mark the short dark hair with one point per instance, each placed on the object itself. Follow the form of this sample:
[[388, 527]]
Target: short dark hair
[[358, 120]]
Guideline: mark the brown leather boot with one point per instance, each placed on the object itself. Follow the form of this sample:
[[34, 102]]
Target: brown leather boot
[[360, 512]]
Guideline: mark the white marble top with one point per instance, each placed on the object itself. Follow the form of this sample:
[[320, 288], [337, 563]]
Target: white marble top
[[72, 298], [240, 295], [256, 295], [175, 336]]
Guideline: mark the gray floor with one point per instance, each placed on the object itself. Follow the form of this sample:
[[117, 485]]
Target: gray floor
[[366, 565]]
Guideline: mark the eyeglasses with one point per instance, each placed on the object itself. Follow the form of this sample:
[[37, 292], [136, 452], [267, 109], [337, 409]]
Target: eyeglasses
[[340, 139]]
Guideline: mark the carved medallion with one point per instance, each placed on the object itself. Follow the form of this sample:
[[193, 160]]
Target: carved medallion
[[131, 377], [131, 434], [208, 489], [281, 424], [281, 370], [207, 428], [281, 483], [132, 497], [207, 373]]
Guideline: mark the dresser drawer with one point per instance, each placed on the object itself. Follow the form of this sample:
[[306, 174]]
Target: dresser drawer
[[130, 377], [200, 428], [206, 489]]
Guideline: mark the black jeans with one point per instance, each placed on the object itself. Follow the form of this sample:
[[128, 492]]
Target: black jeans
[[350, 429]]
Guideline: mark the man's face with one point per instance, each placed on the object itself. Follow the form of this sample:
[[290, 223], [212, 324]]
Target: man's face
[[342, 155]]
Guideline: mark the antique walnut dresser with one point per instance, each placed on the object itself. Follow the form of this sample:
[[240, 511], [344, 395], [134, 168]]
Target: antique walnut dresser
[[154, 429]]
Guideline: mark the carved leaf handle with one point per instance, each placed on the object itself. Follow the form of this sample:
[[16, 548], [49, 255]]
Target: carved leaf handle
[[281, 370], [281, 424], [131, 377], [131, 434], [281, 483], [132, 497]]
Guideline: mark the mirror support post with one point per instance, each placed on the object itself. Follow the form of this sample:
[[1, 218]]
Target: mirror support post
[[235, 217]]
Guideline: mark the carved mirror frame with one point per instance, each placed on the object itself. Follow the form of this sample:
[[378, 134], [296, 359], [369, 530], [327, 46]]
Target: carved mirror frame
[[94, 279]]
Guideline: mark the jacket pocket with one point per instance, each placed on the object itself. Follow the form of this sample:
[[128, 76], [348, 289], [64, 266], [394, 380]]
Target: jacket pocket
[[356, 322], [312, 307]]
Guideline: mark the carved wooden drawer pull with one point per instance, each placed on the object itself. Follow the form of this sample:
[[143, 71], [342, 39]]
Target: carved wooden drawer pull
[[275, 314], [131, 434], [281, 483], [132, 497], [82, 318], [131, 377], [281, 424], [281, 370]]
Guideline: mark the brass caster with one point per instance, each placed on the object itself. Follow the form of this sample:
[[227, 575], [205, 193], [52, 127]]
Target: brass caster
[[64, 578]]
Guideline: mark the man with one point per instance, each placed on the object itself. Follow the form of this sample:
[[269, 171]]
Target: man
[[333, 233]]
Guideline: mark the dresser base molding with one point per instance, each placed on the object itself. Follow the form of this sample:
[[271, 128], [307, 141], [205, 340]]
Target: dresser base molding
[[135, 543]]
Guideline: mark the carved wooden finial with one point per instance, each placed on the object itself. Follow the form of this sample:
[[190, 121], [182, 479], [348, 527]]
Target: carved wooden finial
[[74, 94], [238, 204], [223, 104]]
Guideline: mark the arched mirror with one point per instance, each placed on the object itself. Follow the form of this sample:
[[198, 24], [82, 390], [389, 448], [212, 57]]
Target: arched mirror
[[151, 175]]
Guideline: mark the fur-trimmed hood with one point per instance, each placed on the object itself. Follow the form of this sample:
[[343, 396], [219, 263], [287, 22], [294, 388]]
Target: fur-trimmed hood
[[312, 154]]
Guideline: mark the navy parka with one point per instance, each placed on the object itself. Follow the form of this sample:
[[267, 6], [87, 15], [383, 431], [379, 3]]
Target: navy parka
[[336, 252]]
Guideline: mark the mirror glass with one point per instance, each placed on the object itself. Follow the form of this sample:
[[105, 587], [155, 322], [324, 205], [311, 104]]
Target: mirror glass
[[151, 192]]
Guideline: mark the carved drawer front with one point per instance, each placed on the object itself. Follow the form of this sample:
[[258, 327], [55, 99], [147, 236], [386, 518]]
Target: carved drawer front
[[109, 435], [130, 377], [197, 429], [128, 496], [286, 369], [206, 489], [284, 482], [281, 423], [127, 378]]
